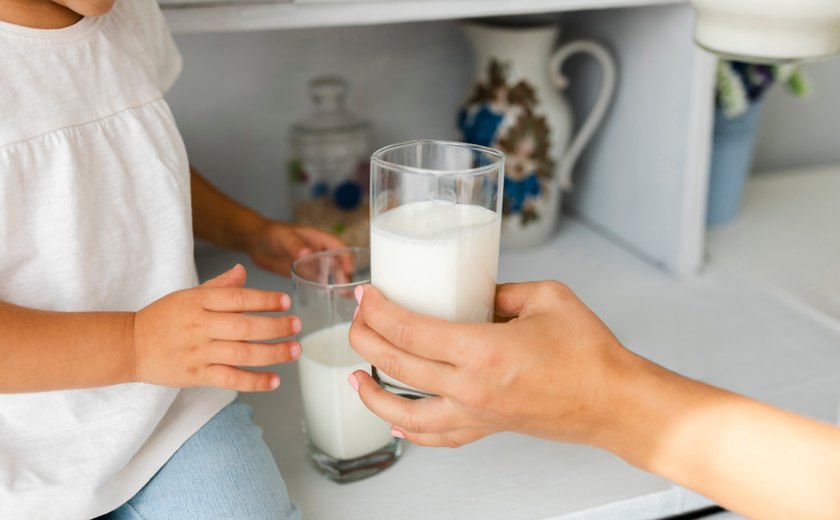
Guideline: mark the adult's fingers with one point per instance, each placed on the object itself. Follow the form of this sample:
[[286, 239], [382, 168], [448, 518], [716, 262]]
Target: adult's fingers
[[448, 439], [427, 415], [226, 376], [426, 374], [233, 277], [246, 354], [244, 327], [423, 336], [238, 299]]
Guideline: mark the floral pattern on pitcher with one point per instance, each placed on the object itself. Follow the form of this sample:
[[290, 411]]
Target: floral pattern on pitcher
[[501, 115]]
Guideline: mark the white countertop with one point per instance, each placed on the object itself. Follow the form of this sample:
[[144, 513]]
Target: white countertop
[[787, 236], [718, 327]]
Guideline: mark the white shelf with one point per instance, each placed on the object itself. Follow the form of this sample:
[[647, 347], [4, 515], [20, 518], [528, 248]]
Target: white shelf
[[642, 177], [190, 17], [715, 327]]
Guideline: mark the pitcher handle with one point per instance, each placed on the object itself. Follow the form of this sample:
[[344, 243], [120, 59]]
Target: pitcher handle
[[608, 76]]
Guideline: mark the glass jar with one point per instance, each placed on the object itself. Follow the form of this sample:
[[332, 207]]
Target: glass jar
[[329, 166]]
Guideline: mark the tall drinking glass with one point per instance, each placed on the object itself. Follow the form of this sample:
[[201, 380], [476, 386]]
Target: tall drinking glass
[[346, 441], [436, 209]]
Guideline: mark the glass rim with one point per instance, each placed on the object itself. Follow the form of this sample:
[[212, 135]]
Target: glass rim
[[297, 277], [376, 158]]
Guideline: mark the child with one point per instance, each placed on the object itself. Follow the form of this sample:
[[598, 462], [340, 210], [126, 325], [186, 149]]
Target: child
[[105, 408]]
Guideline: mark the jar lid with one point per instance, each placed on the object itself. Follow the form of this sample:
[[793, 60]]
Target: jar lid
[[330, 115]]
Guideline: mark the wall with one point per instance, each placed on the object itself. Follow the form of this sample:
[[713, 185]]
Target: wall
[[239, 92], [806, 131]]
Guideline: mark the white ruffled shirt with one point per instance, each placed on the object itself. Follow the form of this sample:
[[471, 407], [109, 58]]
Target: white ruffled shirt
[[94, 215]]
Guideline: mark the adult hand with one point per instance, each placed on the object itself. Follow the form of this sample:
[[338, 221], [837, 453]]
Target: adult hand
[[201, 336], [275, 245], [552, 370], [555, 371]]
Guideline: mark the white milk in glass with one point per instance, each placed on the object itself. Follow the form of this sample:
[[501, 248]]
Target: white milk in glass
[[336, 420], [437, 258]]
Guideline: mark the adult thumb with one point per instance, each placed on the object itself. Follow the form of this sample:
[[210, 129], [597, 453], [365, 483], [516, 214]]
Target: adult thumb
[[233, 277], [512, 298]]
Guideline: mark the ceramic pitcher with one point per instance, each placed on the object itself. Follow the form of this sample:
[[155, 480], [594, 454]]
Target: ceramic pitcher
[[516, 105]]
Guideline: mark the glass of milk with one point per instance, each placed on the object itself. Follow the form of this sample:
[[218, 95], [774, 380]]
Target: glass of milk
[[436, 209], [345, 440]]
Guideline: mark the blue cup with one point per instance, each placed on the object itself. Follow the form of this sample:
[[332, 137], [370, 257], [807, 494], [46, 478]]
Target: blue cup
[[732, 152]]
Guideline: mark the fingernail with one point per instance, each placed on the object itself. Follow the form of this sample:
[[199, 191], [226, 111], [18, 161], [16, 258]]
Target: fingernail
[[275, 381], [294, 351], [396, 433], [296, 325], [285, 301], [359, 293], [354, 381], [303, 252]]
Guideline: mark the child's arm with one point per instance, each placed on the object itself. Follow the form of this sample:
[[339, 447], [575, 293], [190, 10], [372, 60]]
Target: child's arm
[[44, 350], [193, 337], [270, 244]]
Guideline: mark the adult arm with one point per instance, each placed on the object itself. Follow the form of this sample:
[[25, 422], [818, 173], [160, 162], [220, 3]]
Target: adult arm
[[554, 370]]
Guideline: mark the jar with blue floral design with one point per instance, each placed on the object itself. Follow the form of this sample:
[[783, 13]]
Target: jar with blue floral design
[[329, 169]]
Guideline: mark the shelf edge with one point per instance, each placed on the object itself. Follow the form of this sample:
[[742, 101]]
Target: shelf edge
[[255, 17]]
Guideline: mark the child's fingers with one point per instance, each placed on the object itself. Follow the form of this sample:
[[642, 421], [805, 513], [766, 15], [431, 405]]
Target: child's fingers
[[243, 327], [233, 277], [320, 239], [294, 244], [244, 300], [245, 354], [232, 378]]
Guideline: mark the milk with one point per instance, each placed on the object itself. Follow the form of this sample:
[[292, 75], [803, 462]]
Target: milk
[[336, 420], [437, 258]]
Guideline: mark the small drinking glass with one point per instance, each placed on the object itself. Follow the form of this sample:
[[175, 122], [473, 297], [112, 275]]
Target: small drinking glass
[[436, 209], [345, 440]]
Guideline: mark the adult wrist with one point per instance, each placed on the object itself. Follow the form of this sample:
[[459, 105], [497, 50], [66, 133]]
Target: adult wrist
[[637, 409]]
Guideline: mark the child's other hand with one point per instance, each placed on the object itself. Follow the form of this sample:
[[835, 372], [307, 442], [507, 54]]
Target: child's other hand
[[276, 244], [200, 336]]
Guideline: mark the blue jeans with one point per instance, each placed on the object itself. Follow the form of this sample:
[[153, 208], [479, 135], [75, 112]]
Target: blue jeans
[[224, 470]]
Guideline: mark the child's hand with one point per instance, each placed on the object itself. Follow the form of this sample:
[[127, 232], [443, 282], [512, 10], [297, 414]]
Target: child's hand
[[200, 336], [276, 245]]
